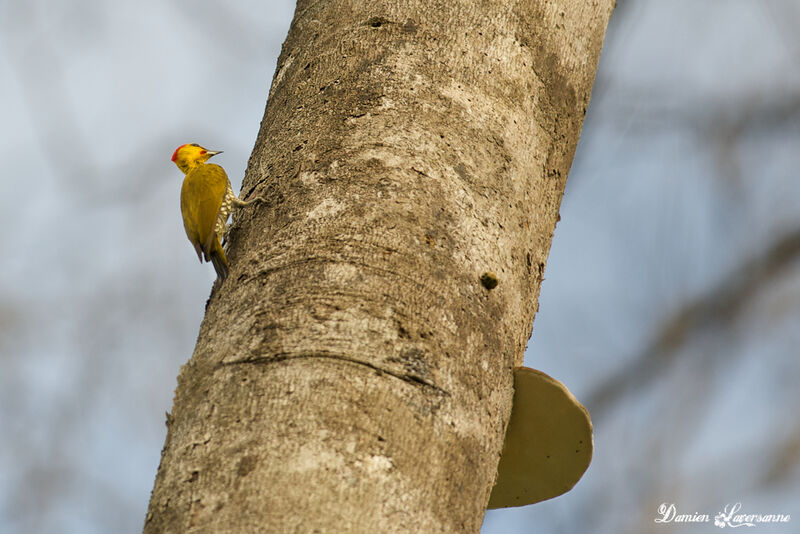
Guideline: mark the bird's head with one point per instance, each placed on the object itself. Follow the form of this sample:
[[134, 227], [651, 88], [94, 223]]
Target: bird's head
[[187, 157]]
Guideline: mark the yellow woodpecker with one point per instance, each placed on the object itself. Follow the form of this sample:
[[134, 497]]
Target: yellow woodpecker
[[206, 202]]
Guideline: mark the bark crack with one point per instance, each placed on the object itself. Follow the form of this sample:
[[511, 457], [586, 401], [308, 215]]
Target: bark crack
[[410, 378], [422, 283]]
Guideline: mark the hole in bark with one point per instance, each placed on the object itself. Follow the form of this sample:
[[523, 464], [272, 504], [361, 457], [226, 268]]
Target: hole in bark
[[489, 280], [377, 22]]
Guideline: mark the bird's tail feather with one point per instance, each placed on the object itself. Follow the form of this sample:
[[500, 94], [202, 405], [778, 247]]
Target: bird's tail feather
[[219, 260]]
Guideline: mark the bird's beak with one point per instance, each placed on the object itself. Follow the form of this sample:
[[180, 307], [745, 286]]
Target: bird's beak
[[213, 153]]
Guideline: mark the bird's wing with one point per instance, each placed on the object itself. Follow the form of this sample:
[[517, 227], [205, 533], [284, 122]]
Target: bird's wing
[[201, 197]]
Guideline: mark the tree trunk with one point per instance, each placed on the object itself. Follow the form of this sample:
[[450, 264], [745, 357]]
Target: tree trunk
[[354, 374]]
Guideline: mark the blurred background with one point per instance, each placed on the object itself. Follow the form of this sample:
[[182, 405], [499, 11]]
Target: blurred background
[[671, 303]]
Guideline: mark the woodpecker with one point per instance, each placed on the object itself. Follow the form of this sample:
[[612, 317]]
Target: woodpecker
[[206, 202]]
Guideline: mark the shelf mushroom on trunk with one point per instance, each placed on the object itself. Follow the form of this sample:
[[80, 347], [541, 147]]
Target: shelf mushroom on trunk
[[548, 443]]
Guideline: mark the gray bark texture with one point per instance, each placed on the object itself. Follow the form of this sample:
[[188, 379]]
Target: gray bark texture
[[353, 374]]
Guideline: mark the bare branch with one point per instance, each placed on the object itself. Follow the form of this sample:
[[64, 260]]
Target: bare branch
[[717, 308]]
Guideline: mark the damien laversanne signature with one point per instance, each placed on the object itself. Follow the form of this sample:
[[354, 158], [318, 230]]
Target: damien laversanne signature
[[728, 517]]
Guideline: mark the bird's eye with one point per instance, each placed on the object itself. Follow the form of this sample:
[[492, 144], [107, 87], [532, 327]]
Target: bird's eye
[[195, 144]]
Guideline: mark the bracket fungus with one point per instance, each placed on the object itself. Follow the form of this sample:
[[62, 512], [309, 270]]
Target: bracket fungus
[[548, 443]]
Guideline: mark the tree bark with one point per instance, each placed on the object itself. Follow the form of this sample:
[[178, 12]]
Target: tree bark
[[353, 374]]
